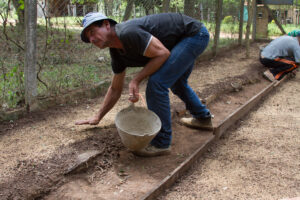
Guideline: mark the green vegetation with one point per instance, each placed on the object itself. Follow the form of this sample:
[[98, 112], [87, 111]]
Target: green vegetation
[[273, 30], [66, 63]]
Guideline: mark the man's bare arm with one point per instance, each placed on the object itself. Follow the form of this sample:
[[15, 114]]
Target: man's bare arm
[[158, 54], [112, 96]]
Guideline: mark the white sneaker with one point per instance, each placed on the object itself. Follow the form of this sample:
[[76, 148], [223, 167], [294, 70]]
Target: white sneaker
[[269, 76]]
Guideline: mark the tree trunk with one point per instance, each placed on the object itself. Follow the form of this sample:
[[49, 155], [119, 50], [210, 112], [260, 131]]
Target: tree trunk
[[219, 4], [166, 6], [201, 12], [189, 7], [108, 4], [254, 8], [248, 27], [128, 10], [30, 56], [20, 12], [241, 25], [149, 7]]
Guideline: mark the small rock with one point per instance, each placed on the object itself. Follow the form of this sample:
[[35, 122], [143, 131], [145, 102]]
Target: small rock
[[237, 85], [101, 59]]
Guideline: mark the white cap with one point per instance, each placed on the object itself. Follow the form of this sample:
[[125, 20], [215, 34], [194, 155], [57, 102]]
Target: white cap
[[89, 19]]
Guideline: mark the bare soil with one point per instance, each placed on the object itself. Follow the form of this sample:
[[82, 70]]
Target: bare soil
[[259, 159], [37, 151]]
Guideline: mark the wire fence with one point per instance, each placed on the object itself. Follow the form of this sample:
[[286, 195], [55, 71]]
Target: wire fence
[[65, 63]]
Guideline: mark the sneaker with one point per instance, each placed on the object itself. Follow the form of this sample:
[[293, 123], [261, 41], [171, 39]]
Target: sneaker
[[151, 151], [269, 76], [200, 123]]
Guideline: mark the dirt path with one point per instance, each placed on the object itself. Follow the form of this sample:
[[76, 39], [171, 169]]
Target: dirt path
[[48, 141], [258, 160]]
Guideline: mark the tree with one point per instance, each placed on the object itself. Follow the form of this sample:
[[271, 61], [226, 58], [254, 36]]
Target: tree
[[241, 21], [218, 21], [248, 27], [230, 7], [19, 6], [166, 6], [30, 58], [128, 9], [108, 4]]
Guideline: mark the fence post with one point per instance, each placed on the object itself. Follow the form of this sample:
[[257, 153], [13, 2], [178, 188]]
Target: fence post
[[30, 55], [218, 20], [241, 25]]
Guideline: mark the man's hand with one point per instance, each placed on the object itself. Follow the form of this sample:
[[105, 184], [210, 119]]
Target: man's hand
[[133, 91], [91, 121]]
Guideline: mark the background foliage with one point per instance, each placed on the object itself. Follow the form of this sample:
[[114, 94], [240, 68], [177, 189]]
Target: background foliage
[[65, 63]]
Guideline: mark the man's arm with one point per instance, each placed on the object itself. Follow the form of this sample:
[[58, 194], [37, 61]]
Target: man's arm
[[112, 96], [158, 54]]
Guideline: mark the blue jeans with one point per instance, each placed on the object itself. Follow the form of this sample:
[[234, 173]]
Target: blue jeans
[[174, 74]]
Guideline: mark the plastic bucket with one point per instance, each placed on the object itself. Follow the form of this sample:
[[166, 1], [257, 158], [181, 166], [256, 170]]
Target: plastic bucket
[[137, 126]]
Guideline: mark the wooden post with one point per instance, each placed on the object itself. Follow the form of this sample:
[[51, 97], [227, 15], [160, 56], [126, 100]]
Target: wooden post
[[219, 4], [275, 19], [30, 74], [241, 25]]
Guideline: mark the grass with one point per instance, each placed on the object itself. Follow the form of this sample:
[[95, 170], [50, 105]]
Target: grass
[[69, 63]]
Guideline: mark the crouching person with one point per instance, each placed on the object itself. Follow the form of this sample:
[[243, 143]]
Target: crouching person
[[166, 45], [281, 56]]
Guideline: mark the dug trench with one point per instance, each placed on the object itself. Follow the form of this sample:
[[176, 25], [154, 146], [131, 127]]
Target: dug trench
[[112, 172]]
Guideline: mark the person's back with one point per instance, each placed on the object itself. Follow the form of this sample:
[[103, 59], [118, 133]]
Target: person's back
[[169, 28], [135, 35], [281, 56], [284, 46]]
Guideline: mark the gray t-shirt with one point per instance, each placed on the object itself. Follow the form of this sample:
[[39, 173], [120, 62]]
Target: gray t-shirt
[[135, 35], [284, 46]]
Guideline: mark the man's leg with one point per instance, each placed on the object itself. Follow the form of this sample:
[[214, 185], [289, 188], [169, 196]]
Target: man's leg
[[178, 64], [189, 97], [279, 67]]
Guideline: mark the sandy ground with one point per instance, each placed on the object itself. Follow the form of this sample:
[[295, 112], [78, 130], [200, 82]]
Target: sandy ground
[[34, 151], [37, 140], [258, 160]]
